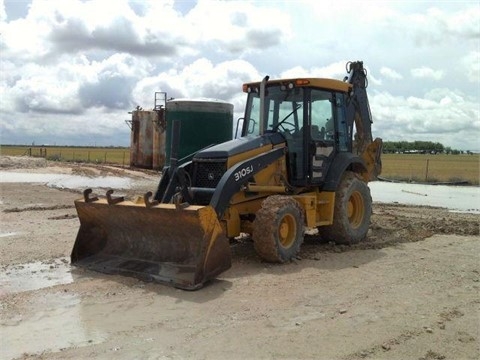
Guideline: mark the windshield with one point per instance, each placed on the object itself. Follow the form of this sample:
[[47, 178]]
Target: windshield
[[283, 111]]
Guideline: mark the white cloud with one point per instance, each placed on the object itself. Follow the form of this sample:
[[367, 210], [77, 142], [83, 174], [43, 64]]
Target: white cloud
[[3, 14], [441, 115], [427, 73], [73, 26], [335, 70], [437, 26], [390, 73], [73, 85], [238, 26], [465, 22], [471, 62], [224, 81]]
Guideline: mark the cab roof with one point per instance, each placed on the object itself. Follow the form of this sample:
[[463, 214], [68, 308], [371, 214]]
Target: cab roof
[[322, 83]]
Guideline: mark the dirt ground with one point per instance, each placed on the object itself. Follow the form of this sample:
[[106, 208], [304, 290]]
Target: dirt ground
[[410, 291]]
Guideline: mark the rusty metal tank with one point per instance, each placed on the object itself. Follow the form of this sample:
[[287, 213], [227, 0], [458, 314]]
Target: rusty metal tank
[[147, 139], [203, 122]]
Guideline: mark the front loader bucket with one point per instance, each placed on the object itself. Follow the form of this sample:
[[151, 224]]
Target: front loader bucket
[[184, 247]]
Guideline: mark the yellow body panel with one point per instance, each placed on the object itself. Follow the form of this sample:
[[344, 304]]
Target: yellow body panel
[[247, 155], [318, 207], [269, 177]]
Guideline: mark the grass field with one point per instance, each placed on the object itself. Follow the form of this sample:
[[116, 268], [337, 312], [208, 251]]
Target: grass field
[[109, 155], [431, 168], [404, 167]]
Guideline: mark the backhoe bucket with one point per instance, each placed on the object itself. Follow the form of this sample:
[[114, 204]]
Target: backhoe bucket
[[184, 247]]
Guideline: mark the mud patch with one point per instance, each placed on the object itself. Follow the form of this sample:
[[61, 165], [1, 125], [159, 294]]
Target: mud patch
[[63, 217], [392, 225], [38, 208], [21, 162]]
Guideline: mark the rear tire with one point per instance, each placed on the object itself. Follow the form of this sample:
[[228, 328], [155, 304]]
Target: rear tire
[[278, 229], [353, 209]]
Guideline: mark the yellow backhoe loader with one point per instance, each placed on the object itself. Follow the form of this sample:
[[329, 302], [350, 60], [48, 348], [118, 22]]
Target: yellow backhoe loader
[[303, 160]]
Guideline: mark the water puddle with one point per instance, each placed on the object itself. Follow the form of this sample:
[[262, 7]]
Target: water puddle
[[34, 276], [11, 233], [56, 316], [63, 181], [56, 321], [454, 198], [56, 324]]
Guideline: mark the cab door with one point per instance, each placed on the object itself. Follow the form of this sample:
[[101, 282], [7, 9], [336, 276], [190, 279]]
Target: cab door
[[328, 132]]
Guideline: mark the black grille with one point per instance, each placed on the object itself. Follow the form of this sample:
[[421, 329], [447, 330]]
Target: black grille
[[207, 174]]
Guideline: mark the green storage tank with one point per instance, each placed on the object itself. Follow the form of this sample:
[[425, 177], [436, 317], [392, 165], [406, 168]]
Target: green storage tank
[[203, 122]]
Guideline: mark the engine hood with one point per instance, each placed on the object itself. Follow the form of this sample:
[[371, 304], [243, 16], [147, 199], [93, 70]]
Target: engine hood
[[238, 146]]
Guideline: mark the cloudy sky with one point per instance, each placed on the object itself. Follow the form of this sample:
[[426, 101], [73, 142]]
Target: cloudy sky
[[71, 70]]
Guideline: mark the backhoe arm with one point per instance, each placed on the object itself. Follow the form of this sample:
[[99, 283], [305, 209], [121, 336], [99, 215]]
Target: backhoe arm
[[358, 113]]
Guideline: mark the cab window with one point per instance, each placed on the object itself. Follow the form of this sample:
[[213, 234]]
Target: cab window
[[322, 115]]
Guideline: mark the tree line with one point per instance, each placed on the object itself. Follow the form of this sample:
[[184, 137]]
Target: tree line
[[419, 147]]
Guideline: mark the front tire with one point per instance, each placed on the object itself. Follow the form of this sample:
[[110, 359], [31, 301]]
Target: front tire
[[352, 212], [278, 229]]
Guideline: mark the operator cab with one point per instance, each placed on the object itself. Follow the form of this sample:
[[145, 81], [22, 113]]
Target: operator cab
[[311, 119]]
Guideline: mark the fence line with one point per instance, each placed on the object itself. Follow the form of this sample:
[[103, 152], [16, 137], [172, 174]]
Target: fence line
[[119, 157], [413, 168]]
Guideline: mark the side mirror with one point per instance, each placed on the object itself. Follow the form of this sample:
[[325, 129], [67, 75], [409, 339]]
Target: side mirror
[[239, 128]]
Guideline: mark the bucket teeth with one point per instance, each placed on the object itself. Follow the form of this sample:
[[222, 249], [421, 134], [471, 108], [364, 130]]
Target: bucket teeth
[[86, 196], [179, 204], [149, 203], [111, 200]]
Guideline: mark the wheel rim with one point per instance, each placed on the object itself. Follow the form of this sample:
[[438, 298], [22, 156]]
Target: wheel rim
[[287, 231], [355, 209]]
